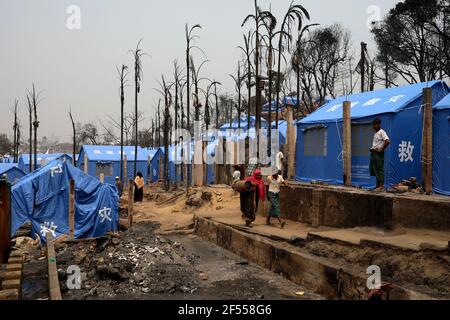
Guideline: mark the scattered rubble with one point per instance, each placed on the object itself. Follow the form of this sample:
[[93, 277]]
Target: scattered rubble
[[137, 262], [409, 185]]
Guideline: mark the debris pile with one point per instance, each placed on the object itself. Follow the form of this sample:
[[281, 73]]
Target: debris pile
[[409, 185], [198, 198], [135, 262]]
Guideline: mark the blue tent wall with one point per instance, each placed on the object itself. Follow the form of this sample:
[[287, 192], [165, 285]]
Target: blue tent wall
[[154, 165], [24, 159], [42, 197], [13, 173], [404, 124], [441, 147], [142, 163]]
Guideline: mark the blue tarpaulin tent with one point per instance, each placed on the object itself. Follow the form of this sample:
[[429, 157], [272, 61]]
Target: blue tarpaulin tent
[[42, 160], [282, 130], [176, 159], [243, 123], [11, 171], [441, 146], [156, 163], [42, 197], [106, 160], [6, 159], [320, 138]]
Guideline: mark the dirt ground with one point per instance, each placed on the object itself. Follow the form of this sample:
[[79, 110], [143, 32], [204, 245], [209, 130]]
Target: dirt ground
[[161, 258], [139, 264], [172, 212]]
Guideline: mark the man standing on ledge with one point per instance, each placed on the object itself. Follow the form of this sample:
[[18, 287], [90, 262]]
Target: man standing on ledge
[[380, 143]]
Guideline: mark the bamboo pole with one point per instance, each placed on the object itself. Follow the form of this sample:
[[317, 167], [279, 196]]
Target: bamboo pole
[[125, 171], [130, 203], [347, 147], [72, 210], [86, 163], [291, 142]]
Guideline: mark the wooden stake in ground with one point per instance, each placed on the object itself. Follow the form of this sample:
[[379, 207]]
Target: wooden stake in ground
[[72, 210], [427, 141], [347, 147], [53, 282], [125, 171], [130, 203], [5, 220], [86, 163], [291, 138]]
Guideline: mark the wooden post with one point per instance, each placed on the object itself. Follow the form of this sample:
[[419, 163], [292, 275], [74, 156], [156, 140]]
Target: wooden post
[[291, 140], [198, 164], [125, 169], [72, 210], [149, 170], [102, 177], [53, 282], [347, 147], [205, 166], [130, 203], [427, 141], [5, 220], [86, 163]]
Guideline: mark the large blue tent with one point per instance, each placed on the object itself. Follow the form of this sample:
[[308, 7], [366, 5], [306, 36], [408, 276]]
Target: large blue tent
[[320, 138], [242, 124], [42, 160], [11, 171], [42, 197], [156, 163], [106, 160], [441, 146]]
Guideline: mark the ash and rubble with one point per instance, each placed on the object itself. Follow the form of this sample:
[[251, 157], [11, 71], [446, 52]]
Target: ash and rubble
[[136, 262]]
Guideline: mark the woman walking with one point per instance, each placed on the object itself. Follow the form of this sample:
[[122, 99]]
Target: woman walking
[[139, 187], [250, 200], [275, 181]]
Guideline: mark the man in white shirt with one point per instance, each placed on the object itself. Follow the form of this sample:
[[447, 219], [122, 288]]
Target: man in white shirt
[[280, 161], [380, 143]]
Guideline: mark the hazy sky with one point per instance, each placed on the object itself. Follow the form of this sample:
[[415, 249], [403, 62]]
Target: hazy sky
[[77, 67]]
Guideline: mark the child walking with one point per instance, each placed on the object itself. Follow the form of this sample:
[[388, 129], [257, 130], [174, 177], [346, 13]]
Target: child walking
[[275, 181]]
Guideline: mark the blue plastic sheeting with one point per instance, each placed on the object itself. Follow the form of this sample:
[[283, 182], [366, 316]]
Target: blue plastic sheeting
[[6, 159], [104, 155], [290, 101], [12, 172], [156, 157], [265, 107], [42, 197], [112, 153], [441, 146], [243, 123], [319, 156], [282, 130], [372, 103], [443, 104], [42, 159]]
